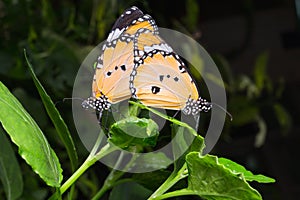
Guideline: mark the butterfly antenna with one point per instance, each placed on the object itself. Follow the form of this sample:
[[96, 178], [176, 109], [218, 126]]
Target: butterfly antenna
[[73, 98], [57, 102], [70, 98], [231, 118], [176, 113]]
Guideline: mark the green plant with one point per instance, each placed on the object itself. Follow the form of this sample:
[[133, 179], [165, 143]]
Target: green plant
[[57, 49], [206, 176]]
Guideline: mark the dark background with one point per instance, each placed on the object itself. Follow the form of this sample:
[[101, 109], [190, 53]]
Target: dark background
[[238, 34]]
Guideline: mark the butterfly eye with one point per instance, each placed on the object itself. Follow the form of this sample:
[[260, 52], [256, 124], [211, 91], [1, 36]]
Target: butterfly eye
[[155, 89]]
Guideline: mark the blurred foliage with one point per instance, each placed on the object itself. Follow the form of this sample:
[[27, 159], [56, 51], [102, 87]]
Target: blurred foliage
[[254, 101], [59, 34]]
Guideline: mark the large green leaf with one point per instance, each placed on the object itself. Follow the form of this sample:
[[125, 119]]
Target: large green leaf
[[26, 134], [211, 180], [241, 170], [10, 172], [56, 119]]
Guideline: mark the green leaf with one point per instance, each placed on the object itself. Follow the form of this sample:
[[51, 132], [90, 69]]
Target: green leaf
[[175, 121], [152, 161], [26, 134], [191, 17], [10, 172], [56, 119], [238, 169], [33, 106], [134, 131], [245, 83], [129, 190], [211, 180], [262, 132], [151, 180], [260, 70], [283, 117]]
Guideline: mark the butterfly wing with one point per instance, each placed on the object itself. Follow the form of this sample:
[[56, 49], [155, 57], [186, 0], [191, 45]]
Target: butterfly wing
[[146, 41], [115, 69], [160, 80], [115, 63], [125, 22]]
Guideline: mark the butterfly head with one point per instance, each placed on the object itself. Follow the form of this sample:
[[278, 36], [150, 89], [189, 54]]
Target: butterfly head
[[194, 106], [99, 104]]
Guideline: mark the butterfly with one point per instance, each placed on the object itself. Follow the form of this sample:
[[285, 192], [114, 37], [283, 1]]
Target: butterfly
[[114, 65], [160, 79]]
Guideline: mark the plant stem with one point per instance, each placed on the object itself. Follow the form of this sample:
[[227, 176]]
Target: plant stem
[[176, 194], [110, 179], [101, 192], [172, 179], [91, 159], [114, 175]]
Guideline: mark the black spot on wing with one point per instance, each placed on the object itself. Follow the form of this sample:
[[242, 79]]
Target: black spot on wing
[[155, 89], [123, 67], [161, 78], [176, 79], [109, 73]]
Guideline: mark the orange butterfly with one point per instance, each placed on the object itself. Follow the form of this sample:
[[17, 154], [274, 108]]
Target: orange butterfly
[[115, 64]]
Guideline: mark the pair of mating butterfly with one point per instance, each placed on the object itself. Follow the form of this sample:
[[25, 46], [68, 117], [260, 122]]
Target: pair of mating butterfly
[[136, 62]]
